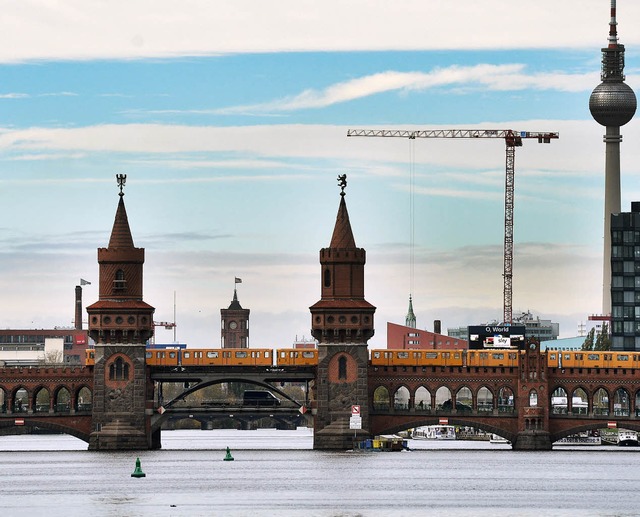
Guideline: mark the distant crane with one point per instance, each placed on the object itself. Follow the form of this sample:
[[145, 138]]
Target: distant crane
[[512, 140]]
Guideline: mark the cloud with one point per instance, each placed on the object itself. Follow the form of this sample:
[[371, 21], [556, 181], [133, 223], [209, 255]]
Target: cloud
[[466, 79], [121, 29]]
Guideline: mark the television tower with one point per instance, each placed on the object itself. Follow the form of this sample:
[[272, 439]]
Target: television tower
[[612, 104]]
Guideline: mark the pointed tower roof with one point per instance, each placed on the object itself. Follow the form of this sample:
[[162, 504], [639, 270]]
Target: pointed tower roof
[[342, 234], [121, 233], [235, 304], [410, 320]]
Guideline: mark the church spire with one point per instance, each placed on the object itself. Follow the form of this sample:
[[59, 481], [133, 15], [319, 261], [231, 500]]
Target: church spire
[[410, 320]]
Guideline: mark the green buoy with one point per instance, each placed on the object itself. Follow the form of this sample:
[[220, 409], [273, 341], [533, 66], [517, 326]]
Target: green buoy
[[228, 457], [137, 473]]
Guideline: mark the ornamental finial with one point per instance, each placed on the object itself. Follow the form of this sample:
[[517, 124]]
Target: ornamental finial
[[342, 183], [121, 179]]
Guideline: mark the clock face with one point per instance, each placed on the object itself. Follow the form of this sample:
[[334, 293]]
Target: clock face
[[233, 325]]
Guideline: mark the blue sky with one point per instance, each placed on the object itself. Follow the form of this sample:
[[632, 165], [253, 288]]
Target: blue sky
[[230, 121]]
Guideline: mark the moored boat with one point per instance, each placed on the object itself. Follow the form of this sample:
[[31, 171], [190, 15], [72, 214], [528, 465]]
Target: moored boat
[[498, 439], [434, 432], [580, 439], [627, 438]]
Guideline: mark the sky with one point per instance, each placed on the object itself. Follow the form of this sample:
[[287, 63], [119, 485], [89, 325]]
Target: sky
[[230, 121]]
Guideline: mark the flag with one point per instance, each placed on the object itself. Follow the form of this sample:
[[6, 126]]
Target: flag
[[84, 282], [238, 280]]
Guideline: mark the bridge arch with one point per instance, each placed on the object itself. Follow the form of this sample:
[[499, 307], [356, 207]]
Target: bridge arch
[[381, 398], [484, 400], [601, 398], [422, 399], [506, 400], [401, 398], [621, 402], [43, 399], [20, 399]]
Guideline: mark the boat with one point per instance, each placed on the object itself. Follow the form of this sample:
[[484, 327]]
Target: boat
[[498, 439], [434, 432], [589, 438], [382, 443], [627, 438]]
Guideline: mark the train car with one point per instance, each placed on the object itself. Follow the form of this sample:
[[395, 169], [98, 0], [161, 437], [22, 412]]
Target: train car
[[296, 357], [161, 357], [492, 358], [90, 357], [247, 357], [417, 357], [201, 357], [592, 359]]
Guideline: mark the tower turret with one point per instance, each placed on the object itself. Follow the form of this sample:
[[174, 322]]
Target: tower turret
[[612, 104]]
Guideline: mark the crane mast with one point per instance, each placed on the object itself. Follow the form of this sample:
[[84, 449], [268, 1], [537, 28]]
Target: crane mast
[[512, 140]]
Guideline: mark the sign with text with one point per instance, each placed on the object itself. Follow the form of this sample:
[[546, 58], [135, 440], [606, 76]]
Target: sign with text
[[355, 422]]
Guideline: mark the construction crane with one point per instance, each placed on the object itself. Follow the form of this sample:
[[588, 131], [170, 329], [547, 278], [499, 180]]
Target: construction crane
[[512, 140]]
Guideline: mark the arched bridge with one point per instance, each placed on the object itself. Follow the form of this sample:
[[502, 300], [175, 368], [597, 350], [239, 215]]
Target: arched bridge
[[529, 403]]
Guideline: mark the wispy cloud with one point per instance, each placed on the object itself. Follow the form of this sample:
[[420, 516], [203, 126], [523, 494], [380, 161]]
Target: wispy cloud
[[464, 79]]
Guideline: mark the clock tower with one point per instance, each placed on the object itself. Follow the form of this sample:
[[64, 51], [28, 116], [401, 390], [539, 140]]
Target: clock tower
[[234, 328], [120, 323]]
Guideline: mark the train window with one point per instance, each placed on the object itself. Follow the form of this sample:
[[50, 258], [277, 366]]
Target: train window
[[498, 356], [283, 354], [567, 357], [267, 353], [431, 355], [623, 357], [161, 355], [186, 355], [148, 355], [513, 356], [484, 355], [376, 355], [417, 355], [308, 355], [446, 354], [172, 355], [403, 355], [212, 355], [241, 355], [593, 357], [551, 356], [226, 354], [456, 355]]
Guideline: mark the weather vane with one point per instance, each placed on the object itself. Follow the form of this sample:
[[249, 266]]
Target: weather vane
[[342, 183], [121, 179]]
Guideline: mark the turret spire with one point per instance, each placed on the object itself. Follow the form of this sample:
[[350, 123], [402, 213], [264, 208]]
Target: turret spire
[[410, 320]]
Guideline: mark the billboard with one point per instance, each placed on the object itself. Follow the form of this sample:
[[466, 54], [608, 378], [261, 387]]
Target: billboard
[[496, 336]]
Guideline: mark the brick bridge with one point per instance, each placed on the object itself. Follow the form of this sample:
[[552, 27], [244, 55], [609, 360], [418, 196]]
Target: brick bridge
[[514, 402]]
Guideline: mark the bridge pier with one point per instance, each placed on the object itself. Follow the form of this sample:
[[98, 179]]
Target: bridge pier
[[533, 441]]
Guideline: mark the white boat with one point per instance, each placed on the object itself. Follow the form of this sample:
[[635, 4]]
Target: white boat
[[434, 432], [627, 438], [498, 439], [580, 439]]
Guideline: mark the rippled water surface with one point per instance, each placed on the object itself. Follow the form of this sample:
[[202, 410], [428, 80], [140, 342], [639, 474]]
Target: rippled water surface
[[277, 473]]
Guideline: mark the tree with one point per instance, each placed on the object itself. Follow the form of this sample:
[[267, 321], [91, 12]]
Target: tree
[[603, 341], [588, 342]]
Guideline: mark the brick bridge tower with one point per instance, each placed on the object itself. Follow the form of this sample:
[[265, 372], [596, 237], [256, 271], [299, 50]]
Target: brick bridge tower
[[342, 322], [120, 323], [533, 396]]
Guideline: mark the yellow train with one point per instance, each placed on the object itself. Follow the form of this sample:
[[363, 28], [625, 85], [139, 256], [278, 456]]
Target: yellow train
[[224, 357], [592, 359], [383, 357]]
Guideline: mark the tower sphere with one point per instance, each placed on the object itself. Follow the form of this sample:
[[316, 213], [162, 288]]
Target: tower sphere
[[612, 104]]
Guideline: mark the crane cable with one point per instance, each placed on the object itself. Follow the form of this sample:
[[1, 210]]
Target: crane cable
[[412, 172]]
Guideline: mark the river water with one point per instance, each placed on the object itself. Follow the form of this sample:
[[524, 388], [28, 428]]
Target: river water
[[276, 473]]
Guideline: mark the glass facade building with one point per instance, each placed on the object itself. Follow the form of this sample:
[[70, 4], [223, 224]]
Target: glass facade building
[[625, 279]]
